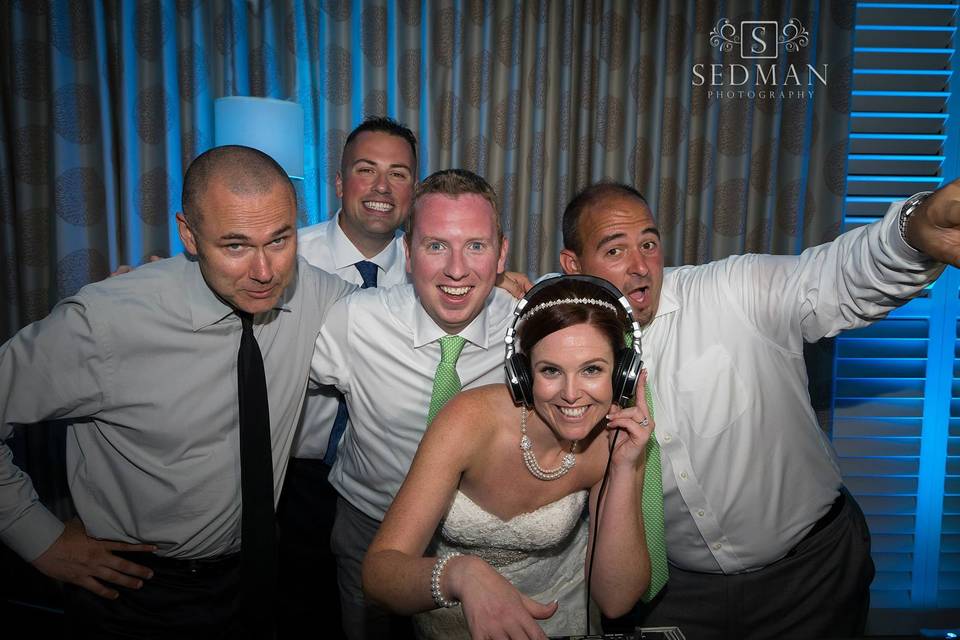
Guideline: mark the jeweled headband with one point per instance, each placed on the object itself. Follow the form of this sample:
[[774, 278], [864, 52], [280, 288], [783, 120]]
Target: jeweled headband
[[546, 305]]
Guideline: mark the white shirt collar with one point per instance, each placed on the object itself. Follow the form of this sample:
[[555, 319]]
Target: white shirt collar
[[425, 330], [346, 254], [669, 300]]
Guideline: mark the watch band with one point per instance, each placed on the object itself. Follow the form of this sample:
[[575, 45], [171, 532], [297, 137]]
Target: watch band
[[909, 206]]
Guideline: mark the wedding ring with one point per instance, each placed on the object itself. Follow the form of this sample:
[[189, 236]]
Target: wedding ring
[[644, 422]]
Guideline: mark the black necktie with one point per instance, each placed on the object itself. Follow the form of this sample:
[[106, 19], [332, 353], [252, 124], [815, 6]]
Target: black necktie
[[368, 271], [258, 542]]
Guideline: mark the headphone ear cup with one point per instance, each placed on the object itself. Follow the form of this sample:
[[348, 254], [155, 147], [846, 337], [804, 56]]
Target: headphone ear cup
[[526, 379], [626, 375], [519, 368]]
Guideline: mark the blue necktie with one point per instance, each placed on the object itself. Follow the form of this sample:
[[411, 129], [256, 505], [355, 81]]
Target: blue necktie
[[368, 271]]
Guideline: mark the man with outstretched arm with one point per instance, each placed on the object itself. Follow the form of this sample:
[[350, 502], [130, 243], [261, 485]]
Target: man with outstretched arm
[[760, 533]]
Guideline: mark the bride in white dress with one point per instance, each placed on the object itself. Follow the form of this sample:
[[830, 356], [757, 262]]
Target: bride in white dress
[[502, 525]]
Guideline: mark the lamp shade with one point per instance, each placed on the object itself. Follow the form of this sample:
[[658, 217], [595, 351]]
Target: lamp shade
[[272, 126]]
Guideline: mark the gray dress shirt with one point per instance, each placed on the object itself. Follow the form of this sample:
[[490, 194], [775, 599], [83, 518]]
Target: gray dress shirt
[[144, 366]]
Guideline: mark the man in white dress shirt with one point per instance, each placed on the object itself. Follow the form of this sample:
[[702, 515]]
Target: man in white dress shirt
[[762, 539], [382, 349], [363, 244]]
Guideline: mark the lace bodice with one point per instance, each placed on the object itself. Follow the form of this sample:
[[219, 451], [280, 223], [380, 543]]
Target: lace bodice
[[469, 526]]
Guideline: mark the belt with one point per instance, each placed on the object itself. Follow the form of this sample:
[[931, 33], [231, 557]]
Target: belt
[[195, 566], [828, 517], [309, 463], [824, 521]]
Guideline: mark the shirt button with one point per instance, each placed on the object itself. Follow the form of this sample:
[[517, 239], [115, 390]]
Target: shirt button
[[683, 474], [667, 438], [700, 513], [717, 546]]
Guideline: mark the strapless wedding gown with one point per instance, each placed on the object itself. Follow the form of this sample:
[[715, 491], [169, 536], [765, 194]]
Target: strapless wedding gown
[[541, 553]]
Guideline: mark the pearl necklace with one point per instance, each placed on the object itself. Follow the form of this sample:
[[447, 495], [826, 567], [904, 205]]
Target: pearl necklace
[[530, 460]]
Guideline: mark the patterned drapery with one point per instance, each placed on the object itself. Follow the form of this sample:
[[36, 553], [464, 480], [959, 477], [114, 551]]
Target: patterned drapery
[[105, 103]]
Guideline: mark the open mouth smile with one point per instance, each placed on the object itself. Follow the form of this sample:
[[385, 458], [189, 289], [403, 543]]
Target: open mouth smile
[[457, 292], [573, 412], [375, 205]]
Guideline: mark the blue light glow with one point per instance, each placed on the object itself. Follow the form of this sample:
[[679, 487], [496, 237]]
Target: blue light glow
[[897, 136], [902, 72], [901, 50], [908, 94], [901, 27], [897, 114], [913, 158]]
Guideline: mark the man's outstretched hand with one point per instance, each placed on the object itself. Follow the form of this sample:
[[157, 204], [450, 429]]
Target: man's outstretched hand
[[934, 228], [514, 283], [125, 268]]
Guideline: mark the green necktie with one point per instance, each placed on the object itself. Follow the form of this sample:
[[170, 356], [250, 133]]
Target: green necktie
[[651, 503], [446, 382]]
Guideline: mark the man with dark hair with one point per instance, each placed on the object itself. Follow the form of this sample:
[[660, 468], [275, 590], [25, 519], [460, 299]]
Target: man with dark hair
[[362, 243], [761, 537], [394, 352], [155, 370], [381, 124]]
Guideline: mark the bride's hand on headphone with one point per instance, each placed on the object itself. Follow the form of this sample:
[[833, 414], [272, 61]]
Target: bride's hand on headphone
[[636, 425]]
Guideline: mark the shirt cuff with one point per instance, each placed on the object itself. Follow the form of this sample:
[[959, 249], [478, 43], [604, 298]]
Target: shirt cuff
[[899, 246], [33, 532]]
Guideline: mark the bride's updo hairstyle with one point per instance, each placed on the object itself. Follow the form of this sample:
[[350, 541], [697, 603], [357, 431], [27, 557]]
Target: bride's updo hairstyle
[[569, 302]]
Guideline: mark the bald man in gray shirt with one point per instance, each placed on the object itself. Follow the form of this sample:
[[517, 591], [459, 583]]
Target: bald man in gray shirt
[[144, 366]]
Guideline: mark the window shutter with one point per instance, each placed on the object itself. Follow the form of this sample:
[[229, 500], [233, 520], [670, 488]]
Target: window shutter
[[896, 413]]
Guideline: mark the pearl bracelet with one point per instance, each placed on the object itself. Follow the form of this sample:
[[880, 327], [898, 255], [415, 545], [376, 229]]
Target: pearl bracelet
[[438, 568]]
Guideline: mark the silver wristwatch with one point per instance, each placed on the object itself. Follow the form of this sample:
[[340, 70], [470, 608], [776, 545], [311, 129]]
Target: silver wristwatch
[[907, 210]]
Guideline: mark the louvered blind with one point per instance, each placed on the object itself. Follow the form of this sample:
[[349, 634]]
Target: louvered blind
[[896, 415]]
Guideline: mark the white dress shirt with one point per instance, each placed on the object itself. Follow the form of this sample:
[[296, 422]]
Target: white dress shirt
[[327, 247], [746, 468], [381, 349]]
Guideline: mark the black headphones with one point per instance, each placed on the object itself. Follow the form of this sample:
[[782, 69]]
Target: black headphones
[[627, 362]]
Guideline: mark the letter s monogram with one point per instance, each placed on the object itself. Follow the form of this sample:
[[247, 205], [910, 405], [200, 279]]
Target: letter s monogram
[[760, 47]]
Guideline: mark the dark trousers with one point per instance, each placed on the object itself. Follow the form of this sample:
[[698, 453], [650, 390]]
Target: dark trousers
[[309, 596], [352, 534], [821, 589], [183, 600]]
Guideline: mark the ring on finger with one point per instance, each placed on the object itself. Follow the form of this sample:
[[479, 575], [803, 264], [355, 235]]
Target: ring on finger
[[644, 422]]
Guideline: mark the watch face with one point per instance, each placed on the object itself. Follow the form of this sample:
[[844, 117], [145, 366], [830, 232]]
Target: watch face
[[916, 199]]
